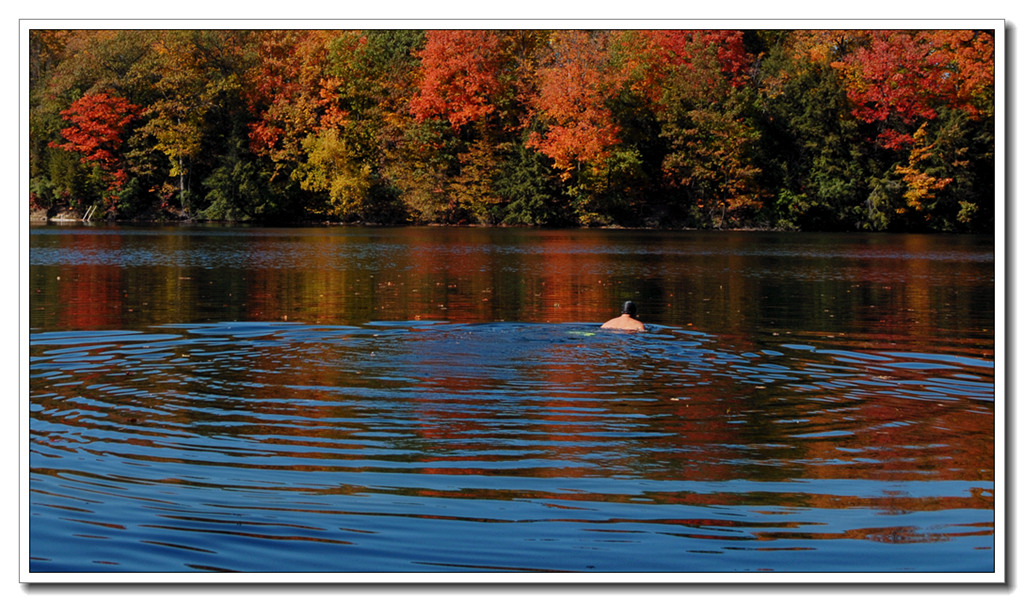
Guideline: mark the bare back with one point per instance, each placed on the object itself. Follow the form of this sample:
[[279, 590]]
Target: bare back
[[624, 322]]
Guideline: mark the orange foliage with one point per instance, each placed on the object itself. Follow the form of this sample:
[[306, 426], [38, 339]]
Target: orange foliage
[[574, 87], [648, 56], [291, 92], [920, 185], [460, 76]]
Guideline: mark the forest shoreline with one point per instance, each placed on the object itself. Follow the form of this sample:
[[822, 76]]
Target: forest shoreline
[[38, 218], [64, 218], [660, 129]]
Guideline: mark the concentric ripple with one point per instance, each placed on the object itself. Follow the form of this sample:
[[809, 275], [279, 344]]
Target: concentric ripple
[[427, 446]]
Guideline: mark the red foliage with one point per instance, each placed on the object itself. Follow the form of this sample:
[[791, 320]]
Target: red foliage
[[460, 76], [649, 55], [98, 123], [900, 78]]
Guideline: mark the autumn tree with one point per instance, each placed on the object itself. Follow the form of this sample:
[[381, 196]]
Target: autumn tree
[[328, 160], [696, 83], [286, 93], [66, 66], [459, 76], [472, 104], [195, 77], [366, 92], [813, 156], [455, 106], [377, 84], [910, 86], [575, 84], [574, 125], [899, 79], [815, 130], [330, 109], [458, 85], [97, 125]]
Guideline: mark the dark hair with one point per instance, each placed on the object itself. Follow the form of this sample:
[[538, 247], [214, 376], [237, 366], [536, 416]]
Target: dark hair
[[629, 308]]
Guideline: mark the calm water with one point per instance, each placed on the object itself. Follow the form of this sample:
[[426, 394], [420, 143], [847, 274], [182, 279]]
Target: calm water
[[423, 399]]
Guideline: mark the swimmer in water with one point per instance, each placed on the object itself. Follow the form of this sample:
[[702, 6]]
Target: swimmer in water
[[627, 321]]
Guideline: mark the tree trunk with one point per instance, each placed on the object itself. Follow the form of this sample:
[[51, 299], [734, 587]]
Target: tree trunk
[[182, 189]]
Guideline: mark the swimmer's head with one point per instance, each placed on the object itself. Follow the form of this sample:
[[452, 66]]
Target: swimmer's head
[[629, 308]]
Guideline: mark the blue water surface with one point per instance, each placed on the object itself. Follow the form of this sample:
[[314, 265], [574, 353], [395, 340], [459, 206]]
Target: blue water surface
[[412, 446]]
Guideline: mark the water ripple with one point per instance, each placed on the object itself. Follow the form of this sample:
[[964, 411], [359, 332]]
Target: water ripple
[[417, 445]]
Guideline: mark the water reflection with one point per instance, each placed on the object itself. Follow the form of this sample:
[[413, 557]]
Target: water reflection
[[750, 284], [257, 429], [421, 399]]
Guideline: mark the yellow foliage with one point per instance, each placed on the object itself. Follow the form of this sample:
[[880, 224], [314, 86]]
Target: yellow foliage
[[334, 168], [920, 185]]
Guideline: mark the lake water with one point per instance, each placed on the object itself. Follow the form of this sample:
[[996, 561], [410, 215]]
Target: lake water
[[350, 400]]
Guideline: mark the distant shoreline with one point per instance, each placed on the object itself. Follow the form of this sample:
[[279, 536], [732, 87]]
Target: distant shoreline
[[66, 219]]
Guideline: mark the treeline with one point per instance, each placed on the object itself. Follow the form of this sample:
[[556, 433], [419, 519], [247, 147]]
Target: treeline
[[814, 130]]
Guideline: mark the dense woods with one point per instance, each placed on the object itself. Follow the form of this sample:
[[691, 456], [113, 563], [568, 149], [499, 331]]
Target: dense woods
[[812, 130]]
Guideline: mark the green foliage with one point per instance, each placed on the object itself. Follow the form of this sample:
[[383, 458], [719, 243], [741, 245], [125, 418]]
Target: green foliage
[[812, 149], [885, 203], [954, 156], [236, 190], [528, 186]]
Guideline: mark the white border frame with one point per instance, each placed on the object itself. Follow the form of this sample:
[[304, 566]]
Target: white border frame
[[1001, 271]]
